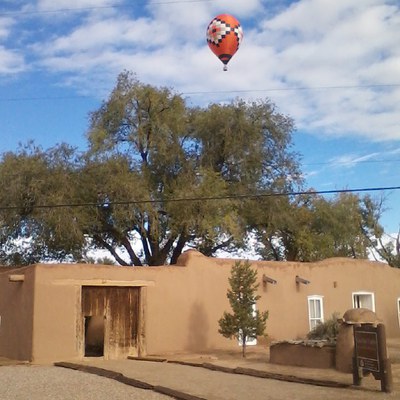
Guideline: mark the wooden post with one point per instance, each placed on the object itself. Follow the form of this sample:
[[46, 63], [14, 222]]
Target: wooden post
[[357, 376], [386, 372], [370, 355]]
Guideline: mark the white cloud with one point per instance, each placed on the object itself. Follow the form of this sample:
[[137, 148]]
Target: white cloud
[[317, 44], [98, 35], [5, 27], [248, 8], [394, 151], [10, 62], [46, 5], [350, 43], [351, 160]]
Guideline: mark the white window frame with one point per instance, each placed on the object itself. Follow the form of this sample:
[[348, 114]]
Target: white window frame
[[311, 320], [364, 293]]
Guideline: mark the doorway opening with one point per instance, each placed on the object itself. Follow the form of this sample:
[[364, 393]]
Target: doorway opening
[[110, 321], [94, 336]]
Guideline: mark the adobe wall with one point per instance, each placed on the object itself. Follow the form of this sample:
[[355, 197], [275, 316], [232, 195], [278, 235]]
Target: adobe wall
[[16, 313], [303, 355], [335, 279], [183, 303]]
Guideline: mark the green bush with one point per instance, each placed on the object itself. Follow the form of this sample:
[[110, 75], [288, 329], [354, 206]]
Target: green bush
[[327, 330]]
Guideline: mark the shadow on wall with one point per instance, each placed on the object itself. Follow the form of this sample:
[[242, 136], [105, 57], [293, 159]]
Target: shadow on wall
[[198, 328]]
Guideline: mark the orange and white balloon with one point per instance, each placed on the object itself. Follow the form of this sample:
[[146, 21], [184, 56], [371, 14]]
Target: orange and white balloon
[[224, 36]]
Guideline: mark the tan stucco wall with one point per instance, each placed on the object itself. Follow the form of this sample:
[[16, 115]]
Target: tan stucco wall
[[335, 280], [301, 355], [182, 304], [55, 321], [16, 312]]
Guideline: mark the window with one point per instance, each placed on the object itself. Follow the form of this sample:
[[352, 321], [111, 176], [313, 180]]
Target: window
[[315, 311], [364, 300]]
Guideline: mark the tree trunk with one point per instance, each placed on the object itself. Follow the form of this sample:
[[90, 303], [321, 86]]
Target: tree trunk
[[183, 238]]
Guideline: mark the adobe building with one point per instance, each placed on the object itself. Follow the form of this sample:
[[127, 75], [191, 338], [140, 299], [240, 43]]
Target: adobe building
[[68, 312]]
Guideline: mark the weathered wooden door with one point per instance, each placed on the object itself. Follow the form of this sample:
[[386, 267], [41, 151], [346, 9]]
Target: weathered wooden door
[[120, 309]]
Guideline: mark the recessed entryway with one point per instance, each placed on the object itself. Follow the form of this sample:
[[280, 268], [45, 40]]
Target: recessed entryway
[[94, 336], [111, 318]]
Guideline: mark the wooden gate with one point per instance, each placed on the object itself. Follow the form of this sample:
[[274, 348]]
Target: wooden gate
[[119, 309]]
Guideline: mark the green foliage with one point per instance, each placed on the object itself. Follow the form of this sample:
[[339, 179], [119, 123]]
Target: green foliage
[[327, 330], [31, 179], [148, 152], [147, 149], [102, 261], [311, 227], [389, 251], [244, 323], [176, 152]]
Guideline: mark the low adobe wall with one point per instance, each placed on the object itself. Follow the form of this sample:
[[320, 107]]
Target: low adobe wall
[[41, 315], [303, 354]]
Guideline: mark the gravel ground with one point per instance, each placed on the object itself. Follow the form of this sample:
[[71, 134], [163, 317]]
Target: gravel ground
[[45, 382], [215, 385]]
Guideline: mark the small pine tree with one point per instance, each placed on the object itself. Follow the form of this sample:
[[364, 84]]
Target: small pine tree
[[245, 323]]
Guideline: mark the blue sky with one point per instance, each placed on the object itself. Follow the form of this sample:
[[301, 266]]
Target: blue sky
[[333, 66]]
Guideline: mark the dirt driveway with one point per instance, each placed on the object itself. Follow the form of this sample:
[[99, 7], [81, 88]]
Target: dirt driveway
[[214, 385], [199, 376]]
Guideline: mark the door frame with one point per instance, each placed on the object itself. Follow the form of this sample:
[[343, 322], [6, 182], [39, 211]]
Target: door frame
[[80, 321]]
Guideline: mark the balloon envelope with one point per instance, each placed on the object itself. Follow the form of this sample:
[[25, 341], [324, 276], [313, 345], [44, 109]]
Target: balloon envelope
[[224, 35]]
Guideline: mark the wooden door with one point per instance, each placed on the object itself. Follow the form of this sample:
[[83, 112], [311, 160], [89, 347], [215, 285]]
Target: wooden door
[[120, 308]]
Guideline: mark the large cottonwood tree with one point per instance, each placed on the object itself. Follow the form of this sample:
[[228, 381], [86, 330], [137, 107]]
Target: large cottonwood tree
[[160, 176], [177, 157]]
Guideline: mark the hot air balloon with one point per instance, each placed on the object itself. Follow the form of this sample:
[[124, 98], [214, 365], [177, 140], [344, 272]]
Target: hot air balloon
[[224, 35]]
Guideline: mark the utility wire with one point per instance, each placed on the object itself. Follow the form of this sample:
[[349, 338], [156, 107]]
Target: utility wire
[[296, 88], [111, 6], [336, 163], [208, 198], [40, 98], [195, 93]]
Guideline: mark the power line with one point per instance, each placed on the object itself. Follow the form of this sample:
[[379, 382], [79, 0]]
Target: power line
[[45, 98], [208, 198], [334, 163], [93, 8], [296, 88], [194, 93]]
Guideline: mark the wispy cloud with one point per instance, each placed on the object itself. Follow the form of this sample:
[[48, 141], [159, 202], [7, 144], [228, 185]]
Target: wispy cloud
[[11, 58], [332, 66], [351, 160], [11, 62], [45, 5], [395, 151], [353, 45]]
